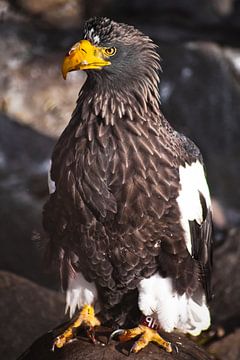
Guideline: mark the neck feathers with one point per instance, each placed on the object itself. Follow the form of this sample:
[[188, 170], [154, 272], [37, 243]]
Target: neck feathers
[[110, 105]]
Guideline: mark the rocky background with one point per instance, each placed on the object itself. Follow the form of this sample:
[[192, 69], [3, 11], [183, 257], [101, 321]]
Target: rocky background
[[199, 43]]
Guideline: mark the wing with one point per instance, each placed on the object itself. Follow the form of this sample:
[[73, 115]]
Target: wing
[[201, 240], [196, 214], [177, 291]]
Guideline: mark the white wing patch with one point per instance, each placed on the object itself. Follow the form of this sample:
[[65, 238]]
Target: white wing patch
[[157, 298], [79, 293], [51, 183], [193, 182]]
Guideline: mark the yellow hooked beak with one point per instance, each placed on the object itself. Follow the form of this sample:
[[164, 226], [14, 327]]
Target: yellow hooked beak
[[82, 56]]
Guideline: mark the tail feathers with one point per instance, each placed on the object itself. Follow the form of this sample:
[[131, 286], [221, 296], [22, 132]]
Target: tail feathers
[[192, 317]]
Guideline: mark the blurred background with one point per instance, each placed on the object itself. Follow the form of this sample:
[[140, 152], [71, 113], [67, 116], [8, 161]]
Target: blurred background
[[199, 43]]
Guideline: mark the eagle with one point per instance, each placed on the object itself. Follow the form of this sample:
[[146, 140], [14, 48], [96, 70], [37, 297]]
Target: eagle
[[129, 217]]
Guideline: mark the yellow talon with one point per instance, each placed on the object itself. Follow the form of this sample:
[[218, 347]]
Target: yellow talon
[[86, 317], [147, 335]]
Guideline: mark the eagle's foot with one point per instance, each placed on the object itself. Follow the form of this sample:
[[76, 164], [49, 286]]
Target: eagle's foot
[[146, 336], [86, 318]]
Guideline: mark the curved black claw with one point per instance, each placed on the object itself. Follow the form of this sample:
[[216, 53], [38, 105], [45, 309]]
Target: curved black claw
[[175, 347], [132, 349], [115, 333], [91, 336]]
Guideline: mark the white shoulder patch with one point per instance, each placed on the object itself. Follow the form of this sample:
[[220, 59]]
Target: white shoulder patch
[[51, 183], [193, 182], [157, 298], [79, 293]]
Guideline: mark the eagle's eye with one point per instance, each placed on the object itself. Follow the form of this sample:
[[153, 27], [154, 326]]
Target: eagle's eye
[[110, 51]]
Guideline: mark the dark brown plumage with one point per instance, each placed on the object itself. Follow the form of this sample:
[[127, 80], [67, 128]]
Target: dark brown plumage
[[114, 215]]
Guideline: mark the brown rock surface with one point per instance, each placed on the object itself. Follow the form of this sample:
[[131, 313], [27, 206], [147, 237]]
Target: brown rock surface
[[184, 349], [26, 311], [228, 348]]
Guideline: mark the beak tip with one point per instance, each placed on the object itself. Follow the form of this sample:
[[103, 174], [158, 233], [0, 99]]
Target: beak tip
[[64, 73], [65, 68]]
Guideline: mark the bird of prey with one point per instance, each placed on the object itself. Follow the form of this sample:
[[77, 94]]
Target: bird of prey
[[129, 214]]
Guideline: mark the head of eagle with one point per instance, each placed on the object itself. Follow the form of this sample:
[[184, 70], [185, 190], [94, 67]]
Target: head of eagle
[[117, 58]]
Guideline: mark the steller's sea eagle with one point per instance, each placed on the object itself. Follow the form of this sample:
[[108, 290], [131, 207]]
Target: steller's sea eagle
[[129, 214]]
